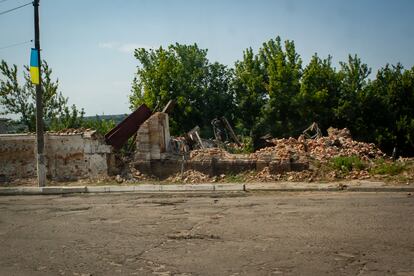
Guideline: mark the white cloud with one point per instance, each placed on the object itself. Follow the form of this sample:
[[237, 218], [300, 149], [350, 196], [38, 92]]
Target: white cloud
[[123, 47], [107, 45]]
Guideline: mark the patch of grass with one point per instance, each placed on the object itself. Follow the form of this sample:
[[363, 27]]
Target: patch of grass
[[347, 163], [247, 147], [387, 168], [234, 178]]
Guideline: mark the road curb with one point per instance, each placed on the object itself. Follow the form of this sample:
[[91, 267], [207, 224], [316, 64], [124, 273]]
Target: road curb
[[149, 188], [121, 189], [355, 189]]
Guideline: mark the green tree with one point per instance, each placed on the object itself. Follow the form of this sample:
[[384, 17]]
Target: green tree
[[319, 91], [354, 80], [184, 74], [266, 88], [389, 105], [250, 93], [20, 99], [71, 117], [284, 71]]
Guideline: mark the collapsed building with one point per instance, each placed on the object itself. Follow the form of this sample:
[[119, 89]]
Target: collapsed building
[[76, 155]]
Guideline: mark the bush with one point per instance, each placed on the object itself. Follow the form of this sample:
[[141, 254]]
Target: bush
[[388, 168], [102, 126], [247, 146], [347, 163], [234, 178]]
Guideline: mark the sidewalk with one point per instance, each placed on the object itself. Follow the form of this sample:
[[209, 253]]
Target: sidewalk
[[351, 186]]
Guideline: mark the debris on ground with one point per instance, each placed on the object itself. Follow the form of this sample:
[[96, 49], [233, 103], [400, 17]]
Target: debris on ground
[[337, 143], [189, 176], [263, 176], [73, 131], [312, 131]]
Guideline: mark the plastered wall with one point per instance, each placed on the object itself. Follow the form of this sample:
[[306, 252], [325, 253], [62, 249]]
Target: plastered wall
[[68, 157]]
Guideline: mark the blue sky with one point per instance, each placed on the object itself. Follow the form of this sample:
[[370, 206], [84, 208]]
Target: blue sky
[[89, 43]]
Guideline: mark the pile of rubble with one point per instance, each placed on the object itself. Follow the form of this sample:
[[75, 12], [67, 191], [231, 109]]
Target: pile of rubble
[[266, 176], [189, 176], [338, 143], [262, 176], [72, 131]]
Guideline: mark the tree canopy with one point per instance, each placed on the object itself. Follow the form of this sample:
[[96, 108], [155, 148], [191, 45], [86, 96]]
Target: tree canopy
[[271, 92], [20, 99], [183, 73]]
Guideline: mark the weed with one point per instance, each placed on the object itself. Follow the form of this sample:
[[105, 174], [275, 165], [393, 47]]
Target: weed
[[386, 167], [347, 163], [231, 178]]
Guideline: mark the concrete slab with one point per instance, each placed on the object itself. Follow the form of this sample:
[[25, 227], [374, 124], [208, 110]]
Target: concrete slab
[[97, 189], [209, 187], [147, 188], [62, 190], [199, 187], [116, 189], [229, 187], [30, 190], [173, 188]]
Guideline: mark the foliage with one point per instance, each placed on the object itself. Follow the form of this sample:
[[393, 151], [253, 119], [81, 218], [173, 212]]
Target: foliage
[[250, 92], [20, 99], [269, 92], [101, 125], [319, 93], [70, 118], [275, 96], [347, 163], [266, 88], [184, 74], [234, 178], [387, 168], [246, 147]]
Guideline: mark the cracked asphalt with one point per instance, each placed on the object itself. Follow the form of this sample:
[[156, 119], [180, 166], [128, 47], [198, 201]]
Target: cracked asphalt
[[333, 233]]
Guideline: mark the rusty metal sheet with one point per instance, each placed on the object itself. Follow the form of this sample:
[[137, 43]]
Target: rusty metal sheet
[[120, 134]]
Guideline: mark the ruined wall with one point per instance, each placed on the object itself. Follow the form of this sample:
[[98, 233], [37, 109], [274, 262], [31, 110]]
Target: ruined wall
[[153, 138], [153, 155], [68, 157]]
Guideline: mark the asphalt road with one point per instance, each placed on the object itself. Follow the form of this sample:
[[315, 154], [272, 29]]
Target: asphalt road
[[330, 233]]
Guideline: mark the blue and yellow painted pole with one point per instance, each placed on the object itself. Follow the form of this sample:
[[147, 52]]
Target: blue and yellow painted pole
[[34, 66], [36, 76]]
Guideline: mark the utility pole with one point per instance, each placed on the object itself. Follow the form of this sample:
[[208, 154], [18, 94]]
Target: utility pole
[[40, 142]]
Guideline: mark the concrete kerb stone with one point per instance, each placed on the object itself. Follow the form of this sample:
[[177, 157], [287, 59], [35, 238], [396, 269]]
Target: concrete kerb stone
[[97, 189], [230, 187], [149, 188], [120, 189], [20, 191], [380, 189], [173, 188], [199, 187], [62, 190]]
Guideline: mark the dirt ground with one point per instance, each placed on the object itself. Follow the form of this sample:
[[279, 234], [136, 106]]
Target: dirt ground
[[208, 234]]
